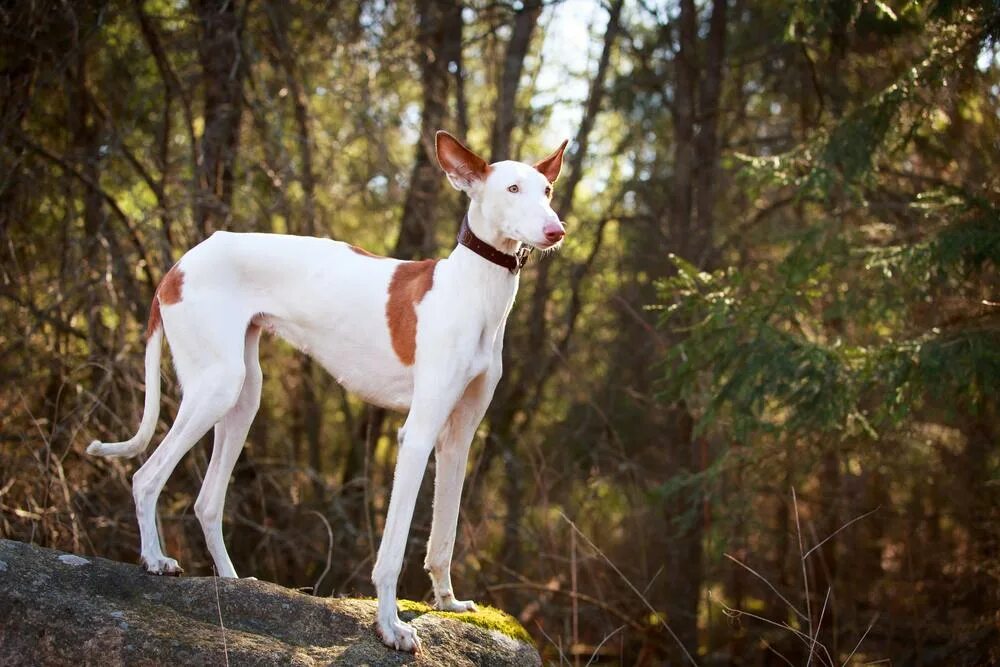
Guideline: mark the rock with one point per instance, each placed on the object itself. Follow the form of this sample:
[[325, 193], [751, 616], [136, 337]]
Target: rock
[[53, 611], [73, 559]]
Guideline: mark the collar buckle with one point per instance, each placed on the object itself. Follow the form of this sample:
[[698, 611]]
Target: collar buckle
[[521, 258]]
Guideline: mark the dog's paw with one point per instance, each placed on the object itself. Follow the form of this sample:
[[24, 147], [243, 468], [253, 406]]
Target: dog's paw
[[163, 566], [458, 606], [398, 635]]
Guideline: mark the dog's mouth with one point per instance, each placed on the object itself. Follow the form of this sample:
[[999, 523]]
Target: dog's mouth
[[548, 247]]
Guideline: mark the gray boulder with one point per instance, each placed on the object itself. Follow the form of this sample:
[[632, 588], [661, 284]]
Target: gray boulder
[[58, 608]]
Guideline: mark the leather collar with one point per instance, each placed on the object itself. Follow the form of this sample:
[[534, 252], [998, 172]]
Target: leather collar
[[513, 263]]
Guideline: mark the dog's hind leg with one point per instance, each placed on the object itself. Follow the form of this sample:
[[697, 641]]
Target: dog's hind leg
[[207, 398], [230, 436]]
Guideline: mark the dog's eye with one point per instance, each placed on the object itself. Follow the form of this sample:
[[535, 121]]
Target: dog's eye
[[513, 189], [548, 190]]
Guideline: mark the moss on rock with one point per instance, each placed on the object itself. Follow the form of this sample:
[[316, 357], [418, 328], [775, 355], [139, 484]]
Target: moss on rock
[[486, 617]]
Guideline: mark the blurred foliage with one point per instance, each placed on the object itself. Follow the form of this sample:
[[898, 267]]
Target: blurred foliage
[[780, 276]]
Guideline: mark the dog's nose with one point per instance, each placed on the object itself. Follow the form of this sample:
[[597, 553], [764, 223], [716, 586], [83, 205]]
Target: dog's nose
[[554, 232]]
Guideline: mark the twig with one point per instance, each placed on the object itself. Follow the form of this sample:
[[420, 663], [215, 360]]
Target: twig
[[630, 585], [329, 551], [769, 584], [603, 642], [562, 656], [819, 624], [653, 579], [736, 613], [218, 606], [575, 606], [805, 575], [860, 641], [831, 535]]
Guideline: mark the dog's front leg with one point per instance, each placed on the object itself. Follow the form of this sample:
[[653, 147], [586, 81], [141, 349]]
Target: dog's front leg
[[450, 462], [451, 459], [433, 401]]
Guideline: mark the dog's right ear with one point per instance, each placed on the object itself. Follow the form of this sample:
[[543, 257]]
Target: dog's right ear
[[463, 167]]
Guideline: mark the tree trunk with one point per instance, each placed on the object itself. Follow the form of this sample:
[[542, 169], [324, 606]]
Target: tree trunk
[[684, 107], [707, 141], [696, 147], [525, 20], [86, 144], [223, 71], [436, 38]]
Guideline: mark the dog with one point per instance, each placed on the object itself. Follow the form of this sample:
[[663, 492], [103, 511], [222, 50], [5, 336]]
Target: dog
[[422, 337]]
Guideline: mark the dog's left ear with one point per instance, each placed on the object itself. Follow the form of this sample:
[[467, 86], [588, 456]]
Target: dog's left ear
[[552, 165], [463, 167]]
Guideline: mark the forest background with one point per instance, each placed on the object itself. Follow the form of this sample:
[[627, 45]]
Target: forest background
[[750, 410]]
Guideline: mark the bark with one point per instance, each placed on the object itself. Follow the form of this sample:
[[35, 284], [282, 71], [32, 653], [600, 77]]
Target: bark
[[707, 141], [223, 71], [978, 500], [684, 107], [685, 552], [86, 142], [525, 20], [460, 203], [436, 37]]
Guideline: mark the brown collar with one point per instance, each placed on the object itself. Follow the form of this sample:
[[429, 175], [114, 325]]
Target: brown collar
[[513, 263]]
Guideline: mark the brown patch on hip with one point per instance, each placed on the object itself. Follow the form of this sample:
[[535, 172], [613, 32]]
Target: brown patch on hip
[[365, 253], [167, 294], [410, 282]]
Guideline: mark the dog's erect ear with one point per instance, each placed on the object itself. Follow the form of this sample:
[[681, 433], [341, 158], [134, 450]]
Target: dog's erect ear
[[463, 167], [552, 165]]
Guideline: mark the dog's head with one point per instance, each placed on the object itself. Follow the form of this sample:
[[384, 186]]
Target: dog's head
[[513, 199]]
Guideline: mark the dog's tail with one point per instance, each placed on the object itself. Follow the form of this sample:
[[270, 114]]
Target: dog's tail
[[151, 410]]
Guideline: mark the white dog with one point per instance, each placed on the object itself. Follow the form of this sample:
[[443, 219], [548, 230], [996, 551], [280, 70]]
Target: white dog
[[423, 337]]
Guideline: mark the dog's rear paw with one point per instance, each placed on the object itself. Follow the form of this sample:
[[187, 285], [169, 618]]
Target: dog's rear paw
[[162, 566], [398, 635]]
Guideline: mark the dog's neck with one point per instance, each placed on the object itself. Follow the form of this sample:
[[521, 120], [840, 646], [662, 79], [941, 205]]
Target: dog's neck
[[512, 263], [489, 233]]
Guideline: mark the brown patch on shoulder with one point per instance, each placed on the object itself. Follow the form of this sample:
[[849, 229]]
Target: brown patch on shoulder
[[365, 253], [167, 293], [410, 282]]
